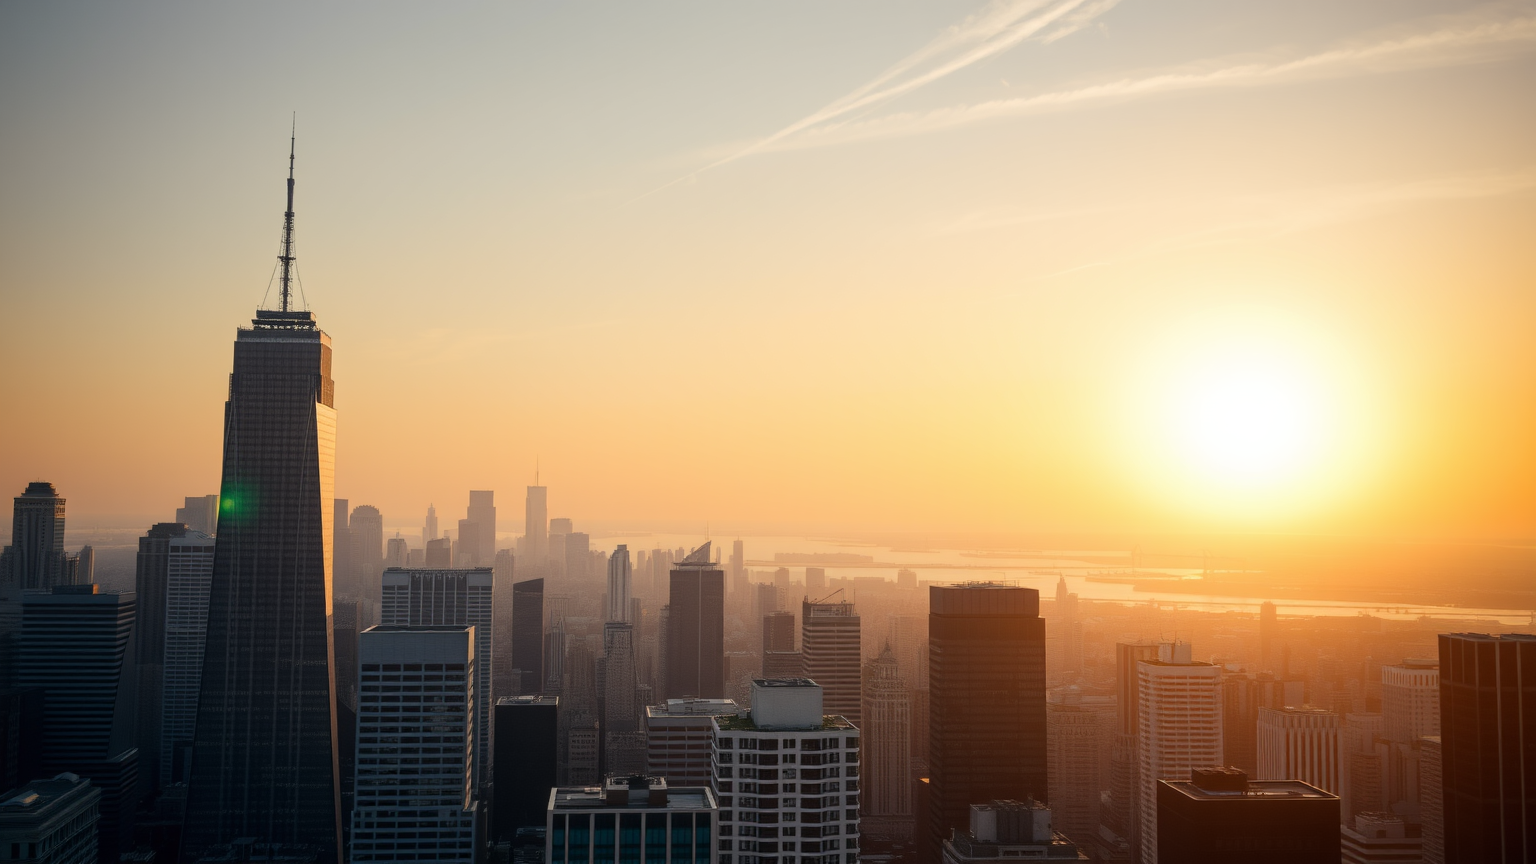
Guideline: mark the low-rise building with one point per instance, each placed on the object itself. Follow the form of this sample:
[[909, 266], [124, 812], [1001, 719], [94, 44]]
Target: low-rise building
[[1005, 830], [50, 822], [631, 819], [1381, 838]]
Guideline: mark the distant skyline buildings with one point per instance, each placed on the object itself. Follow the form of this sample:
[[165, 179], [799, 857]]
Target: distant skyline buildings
[[35, 559]]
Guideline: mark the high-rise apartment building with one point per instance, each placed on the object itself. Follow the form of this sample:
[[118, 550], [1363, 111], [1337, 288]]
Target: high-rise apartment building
[[1220, 816], [830, 650], [453, 598], [1080, 732], [1305, 744], [677, 736], [987, 736], [787, 777], [696, 628], [528, 635], [887, 739], [1179, 730], [36, 554], [631, 819], [75, 647], [1487, 767], [264, 760], [482, 512], [528, 727], [200, 513], [536, 525], [618, 585], [415, 744]]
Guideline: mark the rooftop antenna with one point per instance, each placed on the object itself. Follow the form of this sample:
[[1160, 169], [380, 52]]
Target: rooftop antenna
[[287, 257]]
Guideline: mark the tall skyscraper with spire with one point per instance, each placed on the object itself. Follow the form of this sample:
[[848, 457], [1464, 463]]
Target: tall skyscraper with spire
[[264, 761]]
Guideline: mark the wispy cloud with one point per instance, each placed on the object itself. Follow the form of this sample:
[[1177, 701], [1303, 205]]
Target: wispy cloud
[[987, 33], [1446, 45]]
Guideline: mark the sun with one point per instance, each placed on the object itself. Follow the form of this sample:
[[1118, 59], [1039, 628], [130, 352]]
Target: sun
[[1246, 421]]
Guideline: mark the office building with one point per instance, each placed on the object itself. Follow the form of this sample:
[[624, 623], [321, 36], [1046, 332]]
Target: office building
[[459, 598], [367, 527], [439, 554], [482, 512], [1487, 726], [631, 819], [778, 632], [815, 581], [1380, 838], [1080, 732], [830, 650], [1305, 744], [1432, 806], [677, 736], [200, 513], [1219, 816], [503, 681], [788, 778], [578, 555], [172, 575], [1179, 715], [618, 585], [525, 771], [623, 749], [466, 549], [987, 736], [887, 744], [76, 647], [1120, 810], [344, 578], [1008, 831], [415, 744], [50, 821], [696, 628], [1269, 626], [397, 553], [584, 750], [36, 554], [528, 635], [783, 664], [1365, 772], [264, 759], [738, 569], [536, 525]]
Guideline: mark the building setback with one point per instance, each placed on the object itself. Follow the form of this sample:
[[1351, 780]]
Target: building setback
[[887, 765]]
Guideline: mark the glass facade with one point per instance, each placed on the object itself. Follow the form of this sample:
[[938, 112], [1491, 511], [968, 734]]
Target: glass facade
[[630, 837]]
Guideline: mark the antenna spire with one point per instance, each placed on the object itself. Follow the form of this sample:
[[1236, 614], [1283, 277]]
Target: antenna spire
[[287, 257]]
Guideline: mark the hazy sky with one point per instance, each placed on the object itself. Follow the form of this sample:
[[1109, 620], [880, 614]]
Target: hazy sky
[[1022, 266]]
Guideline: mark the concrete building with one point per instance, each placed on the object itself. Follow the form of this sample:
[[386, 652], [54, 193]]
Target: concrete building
[[1008, 831], [678, 734], [696, 628], [526, 765], [1219, 816], [1410, 700], [1380, 838], [787, 777], [631, 819], [1179, 714], [887, 739], [415, 743], [1305, 744], [830, 650], [1079, 738], [50, 821], [778, 632], [453, 598]]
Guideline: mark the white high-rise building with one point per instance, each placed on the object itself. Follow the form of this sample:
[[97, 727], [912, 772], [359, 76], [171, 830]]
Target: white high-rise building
[[887, 738], [830, 649], [188, 576], [1302, 744], [1410, 700], [618, 585], [451, 598], [1179, 727], [787, 777], [415, 759]]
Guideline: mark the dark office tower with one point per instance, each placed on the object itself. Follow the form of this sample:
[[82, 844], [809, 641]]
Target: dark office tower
[[37, 538], [525, 762], [829, 644], [1218, 816], [779, 634], [1268, 624], [1488, 747], [76, 647], [986, 681], [528, 635], [696, 628], [264, 754], [536, 525], [368, 548], [21, 736], [201, 513], [578, 555], [482, 512]]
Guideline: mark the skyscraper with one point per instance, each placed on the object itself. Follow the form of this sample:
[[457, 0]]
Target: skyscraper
[[778, 633], [829, 644], [618, 585], [1122, 816], [536, 525], [1079, 737], [200, 513], [1487, 766], [264, 755], [528, 635], [344, 580], [456, 598], [696, 628], [887, 744], [429, 529], [624, 745], [987, 701], [525, 763], [1305, 744], [1268, 625], [37, 538], [1179, 716], [578, 555], [482, 512], [368, 547]]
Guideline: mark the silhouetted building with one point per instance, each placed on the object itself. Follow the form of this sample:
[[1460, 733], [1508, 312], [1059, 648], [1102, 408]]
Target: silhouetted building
[[51, 821], [631, 819], [21, 736], [201, 513], [536, 526], [677, 739], [429, 528], [1179, 713], [1009, 831], [578, 555], [345, 581], [416, 709], [525, 767], [264, 760], [887, 750], [987, 732], [623, 747], [1219, 816], [1269, 626], [528, 635], [77, 648], [696, 628], [503, 681], [482, 512], [1487, 764], [778, 632], [815, 581], [36, 554]]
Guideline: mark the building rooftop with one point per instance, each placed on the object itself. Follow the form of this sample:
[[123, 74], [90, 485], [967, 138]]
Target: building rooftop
[[744, 723], [39, 795], [1216, 784], [636, 792], [784, 682], [692, 707], [529, 700]]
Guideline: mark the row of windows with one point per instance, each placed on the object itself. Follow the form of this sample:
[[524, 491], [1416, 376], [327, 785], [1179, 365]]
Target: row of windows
[[413, 667], [771, 817], [830, 742]]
